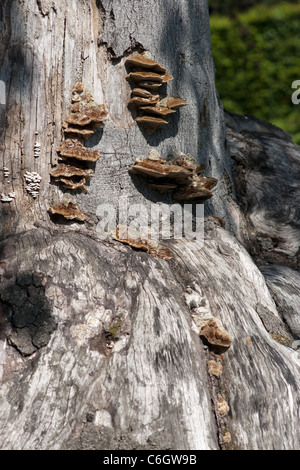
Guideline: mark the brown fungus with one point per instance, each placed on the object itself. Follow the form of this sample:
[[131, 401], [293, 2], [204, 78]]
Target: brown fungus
[[72, 148], [146, 76], [82, 119], [215, 335], [71, 177], [152, 247], [68, 210], [179, 175], [68, 171], [157, 110], [78, 88], [77, 119], [151, 123], [85, 133], [163, 187], [97, 113], [139, 101], [144, 93], [150, 85], [173, 102], [191, 194], [72, 185], [161, 169], [141, 61]]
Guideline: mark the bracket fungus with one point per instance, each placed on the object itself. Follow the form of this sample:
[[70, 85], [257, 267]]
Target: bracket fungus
[[152, 247], [151, 123], [72, 148], [72, 177], [148, 76], [33, 183], [141, 101], [180, 176], [68, 210], [7, 198], [85, 115], [143, 62], [37, 149], [80, 123], [215, 336]]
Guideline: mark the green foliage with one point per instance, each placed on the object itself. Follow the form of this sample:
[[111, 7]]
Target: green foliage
[[257, 58]]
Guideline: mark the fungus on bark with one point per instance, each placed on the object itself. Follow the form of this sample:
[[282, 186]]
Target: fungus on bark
[[68, 171], [142, 61], [68, 210], [81, 121], [144, 93], [215, 336], [75, 131], [180, 175], [148, 76], [72, 148], [33, 183], [140, 101], [173, 102], [151, 123], [152, 247], [158, 110], [72, 177]]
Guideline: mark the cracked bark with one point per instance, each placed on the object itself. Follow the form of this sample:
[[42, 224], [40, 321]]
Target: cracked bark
[[99, 347]]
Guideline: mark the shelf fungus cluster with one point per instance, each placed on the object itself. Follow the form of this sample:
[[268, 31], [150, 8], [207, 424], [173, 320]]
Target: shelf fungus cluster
[[182, 176], [73, 172], [33, 183], [147, 76]]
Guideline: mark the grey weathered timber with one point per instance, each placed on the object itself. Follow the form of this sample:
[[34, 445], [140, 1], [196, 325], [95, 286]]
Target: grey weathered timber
[[99, 342]]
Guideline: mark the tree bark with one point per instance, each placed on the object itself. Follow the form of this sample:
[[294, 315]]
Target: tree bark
[[101, 345]]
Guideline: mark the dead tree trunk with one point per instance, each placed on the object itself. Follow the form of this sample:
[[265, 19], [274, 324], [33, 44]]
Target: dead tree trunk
[[103, 345]]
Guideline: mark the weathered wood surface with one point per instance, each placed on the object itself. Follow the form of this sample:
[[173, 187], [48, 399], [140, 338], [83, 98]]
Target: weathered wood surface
[[99, 345]]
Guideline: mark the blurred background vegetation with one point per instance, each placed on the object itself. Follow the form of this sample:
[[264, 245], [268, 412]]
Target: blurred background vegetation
[[256, 50]]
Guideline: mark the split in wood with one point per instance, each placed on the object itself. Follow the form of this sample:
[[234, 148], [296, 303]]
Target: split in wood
[[148, 76], [180, 176]]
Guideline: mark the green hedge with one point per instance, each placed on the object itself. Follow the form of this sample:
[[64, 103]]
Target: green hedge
[[257, 58]]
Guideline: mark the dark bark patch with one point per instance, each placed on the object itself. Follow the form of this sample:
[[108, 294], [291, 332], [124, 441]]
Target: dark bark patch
[[29, 322]]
